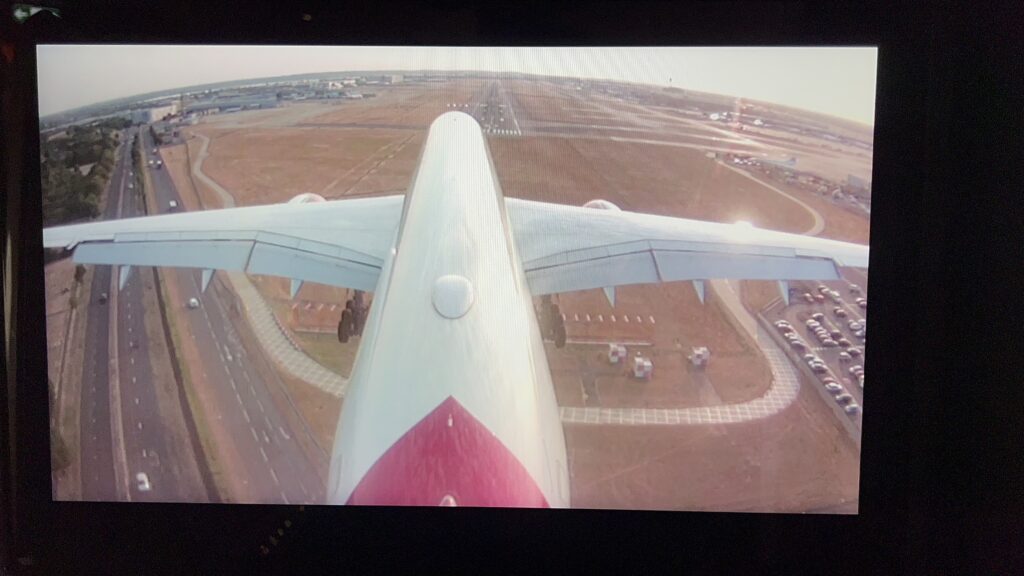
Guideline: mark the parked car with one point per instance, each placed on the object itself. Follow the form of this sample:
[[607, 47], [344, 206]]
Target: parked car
[[851, 409], [798, 345], [810, 357], [822, 289], [829, 343], [818, 317], [854, 325], [854, 369], [855, 352], [844, 357], [844, 342], [854, 289], [844, 399], [819, 368], [839, 312], [142, 480], [835, 334], [819, 298], [193, 303], [862, 302], [103, 298], [808, 298], [833, 387]]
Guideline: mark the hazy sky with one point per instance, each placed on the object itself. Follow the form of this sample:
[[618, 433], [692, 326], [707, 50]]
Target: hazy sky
[[836, 81]]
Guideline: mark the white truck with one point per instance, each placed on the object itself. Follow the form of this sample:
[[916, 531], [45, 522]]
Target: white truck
[[172, 205]]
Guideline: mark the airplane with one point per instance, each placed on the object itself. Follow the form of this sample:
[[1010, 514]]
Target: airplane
[[450, 400]]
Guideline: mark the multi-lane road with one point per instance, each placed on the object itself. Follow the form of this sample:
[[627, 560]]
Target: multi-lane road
[[272, 466], [96, 437]]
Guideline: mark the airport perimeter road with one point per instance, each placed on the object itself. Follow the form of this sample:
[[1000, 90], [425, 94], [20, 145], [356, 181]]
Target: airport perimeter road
[[96, 441], [260, 440]]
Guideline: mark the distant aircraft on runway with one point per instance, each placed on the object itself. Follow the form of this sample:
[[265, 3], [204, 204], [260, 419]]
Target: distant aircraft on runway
[[450, 401]]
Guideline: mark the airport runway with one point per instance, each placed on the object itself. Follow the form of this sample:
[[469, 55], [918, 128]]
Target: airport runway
[[274, 467]]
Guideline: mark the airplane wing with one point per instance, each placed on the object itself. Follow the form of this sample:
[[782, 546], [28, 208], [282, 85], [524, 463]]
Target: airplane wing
[[339, 243], [567, 248]]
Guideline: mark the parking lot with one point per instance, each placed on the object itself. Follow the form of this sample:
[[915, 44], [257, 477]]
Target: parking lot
[[825, 327]]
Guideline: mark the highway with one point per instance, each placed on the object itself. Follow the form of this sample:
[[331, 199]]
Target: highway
[[258, 449], [96, 438]]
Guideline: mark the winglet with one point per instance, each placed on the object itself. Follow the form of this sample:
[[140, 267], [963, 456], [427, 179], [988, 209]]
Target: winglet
[[207, 275], [296, 285], [609, 293], [122, 278], [698, 285], [784, 289]]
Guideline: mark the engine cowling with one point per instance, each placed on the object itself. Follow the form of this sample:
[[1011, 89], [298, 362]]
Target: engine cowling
[[306, 198], [599, 204]]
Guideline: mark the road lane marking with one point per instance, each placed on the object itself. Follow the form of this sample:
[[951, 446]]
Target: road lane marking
[[261, 405], [263, 453], [283, 433], [254, 436], [246, 414], [136, 401], [285, 497], [239, 398], [274, 475]]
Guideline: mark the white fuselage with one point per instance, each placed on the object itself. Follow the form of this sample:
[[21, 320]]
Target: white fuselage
[[443, 407]]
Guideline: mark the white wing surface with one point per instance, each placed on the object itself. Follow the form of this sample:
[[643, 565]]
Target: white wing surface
[[567, 248], [339, 243]]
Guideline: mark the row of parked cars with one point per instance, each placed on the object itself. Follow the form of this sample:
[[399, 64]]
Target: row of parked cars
[[820, 368]]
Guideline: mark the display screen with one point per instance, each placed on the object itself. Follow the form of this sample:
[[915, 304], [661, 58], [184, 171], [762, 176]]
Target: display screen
[[629, 278]]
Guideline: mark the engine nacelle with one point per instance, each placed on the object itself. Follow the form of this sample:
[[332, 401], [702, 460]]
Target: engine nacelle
[[602, 205], [306, 198]]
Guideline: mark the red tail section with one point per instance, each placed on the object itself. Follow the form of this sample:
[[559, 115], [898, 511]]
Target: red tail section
[[448, 458]]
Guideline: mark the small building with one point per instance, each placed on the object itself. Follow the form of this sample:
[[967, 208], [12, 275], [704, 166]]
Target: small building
[[616, 353], [643, 368], [700, 356]]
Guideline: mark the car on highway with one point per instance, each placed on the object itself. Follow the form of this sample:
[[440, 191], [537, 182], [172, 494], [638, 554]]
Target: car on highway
[[818, 367], [142, 480], [862, 302], [819, 298], [839, 312], [818, 317], [808, 298], [193, 303], [798, 345], [845, 357], [811, 323], [829, 343], [836, 334], [822, 289], [103, 298], [854, 289], [833, 387], [851, 409], [844, 342], [855, 369], [854, 325], [855, 352]]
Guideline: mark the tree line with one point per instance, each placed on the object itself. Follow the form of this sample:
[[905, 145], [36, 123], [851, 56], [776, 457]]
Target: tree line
[[69, 195]]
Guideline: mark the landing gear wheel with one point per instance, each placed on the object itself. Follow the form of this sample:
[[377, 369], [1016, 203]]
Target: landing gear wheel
[[344, 326]]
